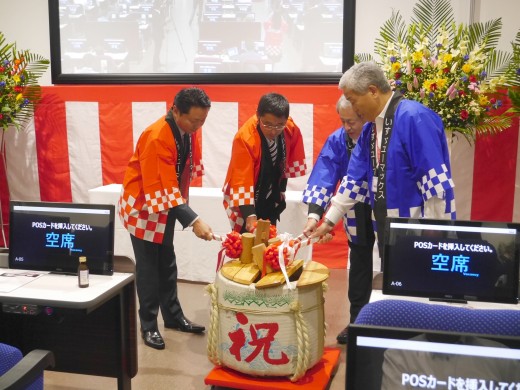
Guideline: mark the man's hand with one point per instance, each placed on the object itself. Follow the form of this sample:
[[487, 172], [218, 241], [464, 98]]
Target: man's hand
[[202, 230], [322, 230], [310, 227], [326, 238], [250, 223]]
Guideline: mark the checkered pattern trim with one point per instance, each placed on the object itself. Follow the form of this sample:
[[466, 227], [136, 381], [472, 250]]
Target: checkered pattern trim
[[394, 212], [317, 195], [349, 223], [413, 212], [450, 209], [418, 212], [357, 190], [163, 199], [198, 171], [235, 218], [435, 183], [141, 223], [296, 169], [241, 196]]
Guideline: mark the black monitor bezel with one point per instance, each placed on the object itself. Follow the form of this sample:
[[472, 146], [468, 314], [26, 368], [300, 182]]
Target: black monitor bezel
[[443, 295], [107, 268]]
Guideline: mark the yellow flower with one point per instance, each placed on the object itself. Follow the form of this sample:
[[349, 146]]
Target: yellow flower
[[427, 84], [19, 97], [447, 57], [483, 100], [441, 83], [417, 56], [466, 68], [396, 66]]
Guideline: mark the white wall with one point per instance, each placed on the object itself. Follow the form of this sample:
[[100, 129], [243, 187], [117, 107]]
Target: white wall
[[370, 16], [26, 21], [509, 11]]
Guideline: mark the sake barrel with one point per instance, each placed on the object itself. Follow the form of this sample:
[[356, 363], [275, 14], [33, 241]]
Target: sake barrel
[[275, 331]]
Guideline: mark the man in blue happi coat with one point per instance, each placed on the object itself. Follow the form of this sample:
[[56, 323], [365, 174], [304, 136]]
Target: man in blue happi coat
[[400, 164], [330, 167]]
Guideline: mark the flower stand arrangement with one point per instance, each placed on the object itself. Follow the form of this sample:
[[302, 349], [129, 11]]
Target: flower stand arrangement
[[455, 70], [19, 93]]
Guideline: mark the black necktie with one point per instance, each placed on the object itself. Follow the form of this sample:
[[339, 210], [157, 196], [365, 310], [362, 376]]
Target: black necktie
[[272, 152], [186, 144]]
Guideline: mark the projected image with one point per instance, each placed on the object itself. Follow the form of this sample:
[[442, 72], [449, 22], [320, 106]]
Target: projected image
[[200, 36]]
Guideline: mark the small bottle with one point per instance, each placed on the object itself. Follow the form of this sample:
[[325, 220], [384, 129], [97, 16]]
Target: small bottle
[[83, 272]]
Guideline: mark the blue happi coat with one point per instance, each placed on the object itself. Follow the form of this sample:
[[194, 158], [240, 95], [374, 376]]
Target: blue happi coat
[[417, 165], [330, 167]]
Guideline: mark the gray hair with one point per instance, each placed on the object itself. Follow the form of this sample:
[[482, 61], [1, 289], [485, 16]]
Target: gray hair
[[360, 76], [342, 103]]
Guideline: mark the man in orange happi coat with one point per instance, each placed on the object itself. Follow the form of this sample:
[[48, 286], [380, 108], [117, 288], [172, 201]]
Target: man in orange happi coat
[[153, 198], [267, 150]]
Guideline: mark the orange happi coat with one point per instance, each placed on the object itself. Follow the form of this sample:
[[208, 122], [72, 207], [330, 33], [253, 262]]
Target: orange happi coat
[[151, 186], [244, 167]]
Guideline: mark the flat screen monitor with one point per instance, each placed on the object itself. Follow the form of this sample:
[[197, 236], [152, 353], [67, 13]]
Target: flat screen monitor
[[49, 236], [452, 259], [384, 358]]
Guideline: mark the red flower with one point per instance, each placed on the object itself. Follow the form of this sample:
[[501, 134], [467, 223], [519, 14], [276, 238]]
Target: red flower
[[492, 100], [472, 78], [233, 245], [461, 92], [418, 70], [446, 70], [464, 115], [433, 86], [2, 69], [397, 76], [271, 256], [272, 231], [18, 89]]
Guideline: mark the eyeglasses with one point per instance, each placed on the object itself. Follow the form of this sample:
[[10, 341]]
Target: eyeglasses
[[279, 126]]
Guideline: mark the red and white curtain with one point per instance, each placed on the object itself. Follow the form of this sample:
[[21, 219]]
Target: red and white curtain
[[82, 137]]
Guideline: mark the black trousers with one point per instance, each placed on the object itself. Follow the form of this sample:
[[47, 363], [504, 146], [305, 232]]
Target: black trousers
[[360, 276], [156, 282]]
